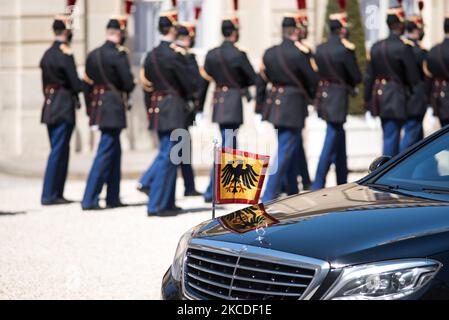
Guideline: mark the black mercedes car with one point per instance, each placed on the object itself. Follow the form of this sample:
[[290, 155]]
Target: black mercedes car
[[383, 237]]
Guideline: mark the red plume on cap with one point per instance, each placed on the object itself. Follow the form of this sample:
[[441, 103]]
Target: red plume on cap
[[236, 5], [421, 5], [400, 3], [302, 4], [174, 3], [129, 6], [198, 11], [71, 3], [342, 4]]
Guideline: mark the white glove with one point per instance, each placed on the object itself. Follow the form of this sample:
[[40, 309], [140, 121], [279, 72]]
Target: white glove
[[258, 122], [199, 119], [431, 116], [370, 120]]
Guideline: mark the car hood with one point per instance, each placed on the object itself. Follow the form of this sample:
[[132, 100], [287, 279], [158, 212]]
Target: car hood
[[345, 225]]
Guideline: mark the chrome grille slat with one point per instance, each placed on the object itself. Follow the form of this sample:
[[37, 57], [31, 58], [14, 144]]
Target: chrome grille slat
[[230, 271], [199, 278], [211, 293], [271, 282], [276, 272], [268, 293], [210, 271], [231, 265]]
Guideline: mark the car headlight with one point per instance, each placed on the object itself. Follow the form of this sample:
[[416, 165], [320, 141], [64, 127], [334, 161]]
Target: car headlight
[[178, 261], [390, 280]]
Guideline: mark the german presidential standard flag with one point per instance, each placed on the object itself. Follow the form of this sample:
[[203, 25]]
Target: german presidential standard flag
[[248, 219], [239, 176]]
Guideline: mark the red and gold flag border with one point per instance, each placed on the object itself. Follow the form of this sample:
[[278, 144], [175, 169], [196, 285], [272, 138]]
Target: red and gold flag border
[[218, 167]]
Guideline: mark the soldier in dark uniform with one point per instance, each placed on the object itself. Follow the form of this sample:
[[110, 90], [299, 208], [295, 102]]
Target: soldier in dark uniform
[[418, 102], [300, 155], [288, 67], [167, 70], [108, 83], [339, 76], [436, 68], [390, 78], [61, 86], [185, 39], [228, 66]]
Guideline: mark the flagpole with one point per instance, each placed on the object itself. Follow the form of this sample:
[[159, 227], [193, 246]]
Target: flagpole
[[214, 178]]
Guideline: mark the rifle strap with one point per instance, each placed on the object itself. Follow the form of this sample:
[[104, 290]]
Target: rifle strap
[[387, 63], [160, 75], [226, 71], [289, 73], [442, 62], [99, 56]]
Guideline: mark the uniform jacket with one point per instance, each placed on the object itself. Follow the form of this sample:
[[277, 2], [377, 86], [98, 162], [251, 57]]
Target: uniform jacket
[[61, 85], [107, 87], [232, 72], [437, 68], [391, 77], [198, 83], [285, 104], [166, 68], [339, 75], [419, 100]]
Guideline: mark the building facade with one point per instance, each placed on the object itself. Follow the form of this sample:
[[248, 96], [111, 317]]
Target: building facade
[[25, 33]]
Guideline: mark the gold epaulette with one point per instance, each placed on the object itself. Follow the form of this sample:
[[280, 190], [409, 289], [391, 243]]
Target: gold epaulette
[[88, 80], [123, 49], [205, 75], [66, 49], [146, 84], [408, 42], [302, 47], [348, 44], [178, 49], [242, 49], [426, 70]]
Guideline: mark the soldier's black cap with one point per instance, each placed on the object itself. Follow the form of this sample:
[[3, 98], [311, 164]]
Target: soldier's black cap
[[61, 23], [229, 24], [338, 20], [395, 15], [117, 23], [168, 19], [186, 29], [414, 22], [446, 24]]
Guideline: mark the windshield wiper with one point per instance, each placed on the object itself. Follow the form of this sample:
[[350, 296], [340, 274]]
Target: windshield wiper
[[436, 191], [382, 186]]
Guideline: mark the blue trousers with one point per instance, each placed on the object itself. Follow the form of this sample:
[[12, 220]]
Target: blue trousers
[[287, 147], [413, 133], [106, 169], [302, 163], [334, 151], [163, 186], [392, 137], [299, 165], [187, 175], [58, 162], [228, 140]]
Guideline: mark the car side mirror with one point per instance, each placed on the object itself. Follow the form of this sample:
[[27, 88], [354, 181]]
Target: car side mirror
[[379, 162]]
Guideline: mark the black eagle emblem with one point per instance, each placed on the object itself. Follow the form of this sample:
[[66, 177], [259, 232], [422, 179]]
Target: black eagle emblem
[[237, 177]]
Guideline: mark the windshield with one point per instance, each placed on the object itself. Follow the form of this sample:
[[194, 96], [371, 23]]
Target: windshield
[[425, 170]]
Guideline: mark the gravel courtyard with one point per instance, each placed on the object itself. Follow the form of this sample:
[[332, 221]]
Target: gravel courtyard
[[64, 253]]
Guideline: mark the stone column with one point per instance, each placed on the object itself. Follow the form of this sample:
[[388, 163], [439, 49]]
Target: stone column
[[26, 33]]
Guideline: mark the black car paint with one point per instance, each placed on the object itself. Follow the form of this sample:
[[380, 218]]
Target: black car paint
[[350, 225]]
